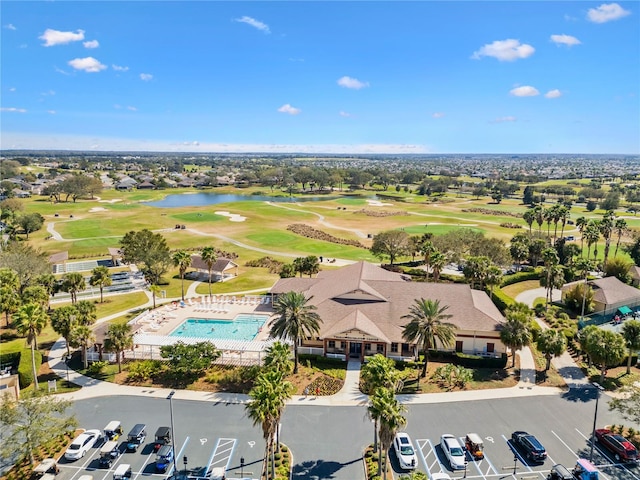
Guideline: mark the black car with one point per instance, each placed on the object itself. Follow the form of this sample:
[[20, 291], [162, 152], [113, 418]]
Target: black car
[[529, 445]]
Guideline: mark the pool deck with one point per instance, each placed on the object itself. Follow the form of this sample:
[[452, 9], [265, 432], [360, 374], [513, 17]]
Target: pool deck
[[163, 320]]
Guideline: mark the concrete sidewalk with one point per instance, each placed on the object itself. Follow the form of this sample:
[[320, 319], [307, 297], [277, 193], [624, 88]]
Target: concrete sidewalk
[[349, 395]]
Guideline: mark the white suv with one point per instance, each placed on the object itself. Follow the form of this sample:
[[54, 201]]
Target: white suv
[[81, 445], [404, 451], [453, 451]]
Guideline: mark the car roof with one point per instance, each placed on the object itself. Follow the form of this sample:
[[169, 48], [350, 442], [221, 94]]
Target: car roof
[[450, 439]]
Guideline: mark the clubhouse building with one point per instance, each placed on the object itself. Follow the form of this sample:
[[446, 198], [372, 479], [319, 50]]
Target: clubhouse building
[[362, 305]]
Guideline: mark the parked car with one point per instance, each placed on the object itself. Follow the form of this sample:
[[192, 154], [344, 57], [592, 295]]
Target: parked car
[[164, 458], [621, 448], [81, 445], [453, 451], [533, 450], [560, 472], [404, 451]]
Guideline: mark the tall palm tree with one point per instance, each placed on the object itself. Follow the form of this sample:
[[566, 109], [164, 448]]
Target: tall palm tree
[[268, 399], [155, 290], [87, 312], [101, 278], [118, 339], [551, 343], [73, 283], [631, 334], [584, 266], [209, 257], [515, 333], [30, 320], [438, 261], [607, 225], [539, 213], [621, 228], [182, 260], [63, 321], [529, 216], [82, 336], [296, 320], [592, 235], [550, 258], [391, 421], [278, 358], [426, 325], [564, 213], [581, 223], [427, 249]]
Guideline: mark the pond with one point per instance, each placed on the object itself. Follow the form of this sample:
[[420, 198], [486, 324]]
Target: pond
[[203, 199]]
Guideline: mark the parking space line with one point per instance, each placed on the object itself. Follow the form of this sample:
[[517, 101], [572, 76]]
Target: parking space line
[[178, 455], [144, 465], [424, 460], [516, 453], [563, 443], [442, 469], [224, 448]]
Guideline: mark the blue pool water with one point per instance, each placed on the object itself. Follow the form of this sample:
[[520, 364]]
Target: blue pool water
[[243, 327]]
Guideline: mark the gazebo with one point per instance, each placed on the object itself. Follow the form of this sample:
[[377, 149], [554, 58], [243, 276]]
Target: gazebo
[[223, 269]]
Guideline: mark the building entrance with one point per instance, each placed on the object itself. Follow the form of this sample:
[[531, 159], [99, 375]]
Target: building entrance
[[355, 349]]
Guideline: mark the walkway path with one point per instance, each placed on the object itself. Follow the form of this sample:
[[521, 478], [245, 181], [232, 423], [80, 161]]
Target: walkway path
[[529, 296], [321, 219]]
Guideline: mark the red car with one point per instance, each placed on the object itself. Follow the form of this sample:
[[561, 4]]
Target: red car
[[621, 448]]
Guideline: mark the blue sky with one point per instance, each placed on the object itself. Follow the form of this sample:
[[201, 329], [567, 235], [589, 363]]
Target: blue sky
[[334, 77]]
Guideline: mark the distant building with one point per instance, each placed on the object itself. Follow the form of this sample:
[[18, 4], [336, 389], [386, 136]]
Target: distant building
[[609, 294]]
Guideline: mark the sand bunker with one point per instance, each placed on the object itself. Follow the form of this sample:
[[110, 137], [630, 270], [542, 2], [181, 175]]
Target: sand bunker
[[97, 209], [376, 203], [233, 217], [110, 201]]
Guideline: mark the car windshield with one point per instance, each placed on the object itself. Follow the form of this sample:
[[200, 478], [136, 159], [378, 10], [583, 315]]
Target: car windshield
[[74, 446], [456, 452], [406, 450]]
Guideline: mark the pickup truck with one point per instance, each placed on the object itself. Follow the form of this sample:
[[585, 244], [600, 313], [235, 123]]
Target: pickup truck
[[621, 448], [529, 445]]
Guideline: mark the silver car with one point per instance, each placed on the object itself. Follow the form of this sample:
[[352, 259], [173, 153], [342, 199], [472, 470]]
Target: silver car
[[81, 445], [453, 451]]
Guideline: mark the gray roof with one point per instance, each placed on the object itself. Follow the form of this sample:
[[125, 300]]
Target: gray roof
[[219, 266], [373, 300], [610, 291]]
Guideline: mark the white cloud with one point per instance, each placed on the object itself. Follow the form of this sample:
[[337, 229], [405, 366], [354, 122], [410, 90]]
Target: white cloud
[[59, 70], [91, 44], [437, 114], [555, 93], [118, 68], [51, 112], [88, 64], [505, 119], [146, 77], [254, 23], [563, 39], [286, 108], [606, 13], [354, 83], [344, 114], [12, 89], [524, 91], [504, 50], [133, 109], [13, 109], [10, 26], [55, 37]]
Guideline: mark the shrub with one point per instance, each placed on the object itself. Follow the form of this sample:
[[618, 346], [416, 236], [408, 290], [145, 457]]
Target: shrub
[[144, 370], [96, 367], [25, 371], [520, 276]]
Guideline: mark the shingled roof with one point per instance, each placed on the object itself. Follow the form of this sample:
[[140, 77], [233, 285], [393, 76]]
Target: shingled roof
[[610, 291], [365, 297]]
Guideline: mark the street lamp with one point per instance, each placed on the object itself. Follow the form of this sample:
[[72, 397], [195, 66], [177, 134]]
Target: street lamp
[[465, 469], [173, 432], [184, 459], [595, 419], [242, 467]]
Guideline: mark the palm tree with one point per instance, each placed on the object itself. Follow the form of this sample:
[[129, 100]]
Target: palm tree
[[631, 334], [605, 348], [438, 261], [182, 260], [82, 336], [592, 235], [538, 210], [426, 324], [209, 257], [427, 249], [607, 225], [118, 339], [551, 260], [391, 420], [581, 223], [155, 290], [515, 333], [620, 228], [63, 321], [529, 216], [584, 266], [87, 312], [564, 213], [268, 399], [278, 357], [73, 283], [551, 343], [100, 277], [30, 320], [296, 320]]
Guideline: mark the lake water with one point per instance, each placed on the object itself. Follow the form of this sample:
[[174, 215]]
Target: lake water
[[204, 199]]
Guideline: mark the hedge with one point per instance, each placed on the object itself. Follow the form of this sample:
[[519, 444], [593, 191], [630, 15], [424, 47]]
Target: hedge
[[520, 277], [25, 369], [501, 299], [11, 358], [464, 359]]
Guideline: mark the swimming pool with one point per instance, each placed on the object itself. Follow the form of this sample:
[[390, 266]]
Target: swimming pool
[[242, 327]]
